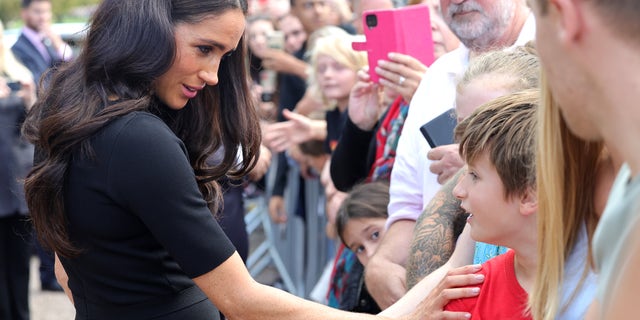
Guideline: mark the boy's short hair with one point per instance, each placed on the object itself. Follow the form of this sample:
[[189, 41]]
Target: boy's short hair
[[505, 129]]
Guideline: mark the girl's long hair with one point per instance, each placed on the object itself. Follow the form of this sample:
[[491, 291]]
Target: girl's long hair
[[129, 44], [566, 182]]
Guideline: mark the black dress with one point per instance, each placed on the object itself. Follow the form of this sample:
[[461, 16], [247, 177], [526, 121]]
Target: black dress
[[135, 210]]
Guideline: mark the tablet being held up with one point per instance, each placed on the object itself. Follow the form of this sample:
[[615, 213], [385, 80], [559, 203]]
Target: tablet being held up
[[405, 30]]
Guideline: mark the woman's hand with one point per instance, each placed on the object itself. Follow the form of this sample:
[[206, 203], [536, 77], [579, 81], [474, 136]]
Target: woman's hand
[[455, 285], [401, 74], [365, 102]]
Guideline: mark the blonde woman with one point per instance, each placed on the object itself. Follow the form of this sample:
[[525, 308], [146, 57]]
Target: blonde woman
[[566, 222]]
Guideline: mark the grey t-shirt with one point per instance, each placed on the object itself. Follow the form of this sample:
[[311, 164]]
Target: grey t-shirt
[[618, 221]]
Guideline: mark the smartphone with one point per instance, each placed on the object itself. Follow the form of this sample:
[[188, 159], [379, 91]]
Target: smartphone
[[269, 78], [439, 131], [14, 86], [405, 30]]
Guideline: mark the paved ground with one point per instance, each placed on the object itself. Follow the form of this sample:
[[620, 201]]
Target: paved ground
[[47, 305]]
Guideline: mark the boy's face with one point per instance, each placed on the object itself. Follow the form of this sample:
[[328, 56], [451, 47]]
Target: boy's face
[[362, 235], [483, 196]]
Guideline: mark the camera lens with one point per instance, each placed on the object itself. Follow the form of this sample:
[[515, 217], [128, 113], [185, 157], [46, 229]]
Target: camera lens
[[372, 21]]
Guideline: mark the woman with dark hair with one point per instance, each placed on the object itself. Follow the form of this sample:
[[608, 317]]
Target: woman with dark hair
[[120, 188]]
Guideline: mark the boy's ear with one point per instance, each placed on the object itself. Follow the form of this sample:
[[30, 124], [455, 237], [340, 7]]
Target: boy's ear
[[529, 202]]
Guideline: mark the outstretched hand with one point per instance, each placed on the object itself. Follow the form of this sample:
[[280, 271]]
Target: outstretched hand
[[283, 135], [297, 129]]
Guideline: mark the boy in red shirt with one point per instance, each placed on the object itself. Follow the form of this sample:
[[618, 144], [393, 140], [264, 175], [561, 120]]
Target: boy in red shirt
[[498, 192]]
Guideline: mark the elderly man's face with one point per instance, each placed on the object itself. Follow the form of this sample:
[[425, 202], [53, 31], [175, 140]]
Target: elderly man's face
[[478, 23]]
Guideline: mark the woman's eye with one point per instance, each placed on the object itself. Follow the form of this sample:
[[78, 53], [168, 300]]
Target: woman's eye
[[205, 49], [375, 235], [359, 249]]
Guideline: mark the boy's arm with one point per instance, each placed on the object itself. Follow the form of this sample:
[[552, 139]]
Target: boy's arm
[[433, 236]]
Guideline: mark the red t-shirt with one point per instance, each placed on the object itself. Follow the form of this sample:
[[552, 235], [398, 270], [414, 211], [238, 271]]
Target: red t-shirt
[[501, 296]]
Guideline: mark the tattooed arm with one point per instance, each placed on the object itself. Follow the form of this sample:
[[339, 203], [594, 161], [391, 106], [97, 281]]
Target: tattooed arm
[[462, 255], [435, 233]]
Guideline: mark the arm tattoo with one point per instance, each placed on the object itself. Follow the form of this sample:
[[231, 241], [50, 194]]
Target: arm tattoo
[[434, 236]]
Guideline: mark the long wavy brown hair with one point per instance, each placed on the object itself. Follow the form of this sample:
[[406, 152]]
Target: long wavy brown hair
[[129, 44]]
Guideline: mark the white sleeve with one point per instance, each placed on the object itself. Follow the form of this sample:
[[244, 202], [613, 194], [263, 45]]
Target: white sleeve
[[412, 183]]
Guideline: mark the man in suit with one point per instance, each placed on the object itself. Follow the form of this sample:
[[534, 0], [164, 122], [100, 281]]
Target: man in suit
[[38, 48]]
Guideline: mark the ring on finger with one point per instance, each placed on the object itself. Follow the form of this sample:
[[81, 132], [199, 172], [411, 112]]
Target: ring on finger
[[401, 80]]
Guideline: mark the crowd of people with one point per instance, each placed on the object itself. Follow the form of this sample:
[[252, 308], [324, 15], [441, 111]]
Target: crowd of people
[[125, 166]]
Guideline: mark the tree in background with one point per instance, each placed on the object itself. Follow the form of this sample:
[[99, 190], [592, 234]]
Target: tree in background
[[63, 10]]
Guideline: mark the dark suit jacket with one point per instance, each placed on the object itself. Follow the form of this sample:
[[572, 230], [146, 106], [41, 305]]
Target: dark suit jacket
[[30, 57], [16, 157]]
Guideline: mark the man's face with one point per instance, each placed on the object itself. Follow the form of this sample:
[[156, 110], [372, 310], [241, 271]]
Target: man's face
[[478, 23], [314, 14], [37, 15], [565, 78]]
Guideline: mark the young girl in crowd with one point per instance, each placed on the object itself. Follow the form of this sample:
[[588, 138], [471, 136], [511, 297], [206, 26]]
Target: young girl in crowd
[[360, 225], [333, 69], [360, 220], [121, 187]]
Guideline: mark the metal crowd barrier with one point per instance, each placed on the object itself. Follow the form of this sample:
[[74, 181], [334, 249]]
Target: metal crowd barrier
[[299, 250]]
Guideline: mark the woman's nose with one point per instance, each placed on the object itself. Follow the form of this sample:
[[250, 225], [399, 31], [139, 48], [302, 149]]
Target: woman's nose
[[210, 75]]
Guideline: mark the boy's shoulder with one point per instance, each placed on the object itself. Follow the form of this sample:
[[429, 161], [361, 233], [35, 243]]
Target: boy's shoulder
[[500, 294]]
